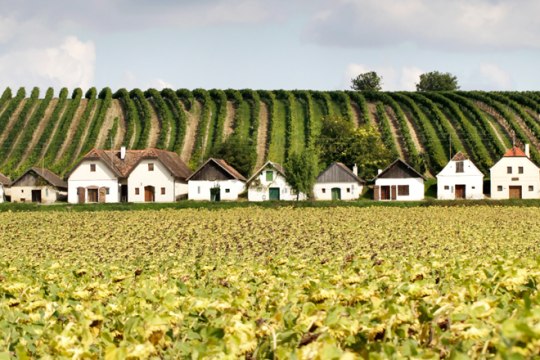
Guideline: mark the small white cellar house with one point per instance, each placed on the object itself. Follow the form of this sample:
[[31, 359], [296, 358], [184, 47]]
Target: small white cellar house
[[4, 183], [269, 182], [215, 180], [460, 179], [338, 182], [399, 181]]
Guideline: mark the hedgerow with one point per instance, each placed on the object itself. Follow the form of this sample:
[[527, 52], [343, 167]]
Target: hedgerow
[[384, 128], [133, 125], [144, 115], [11, 107], [215, 132], [186, 97], [179, 117], [167, 124], [97, 122], [204, 99]]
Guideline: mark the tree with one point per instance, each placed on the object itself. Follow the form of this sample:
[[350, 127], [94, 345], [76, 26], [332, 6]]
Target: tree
[[238, 152], [301, 170], [369, 81], [437, 81], [340, 141]]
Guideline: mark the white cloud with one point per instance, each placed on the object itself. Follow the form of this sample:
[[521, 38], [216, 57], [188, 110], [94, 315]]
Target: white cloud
[[70, 64], [393, 79], [440, 24], [489, 76]]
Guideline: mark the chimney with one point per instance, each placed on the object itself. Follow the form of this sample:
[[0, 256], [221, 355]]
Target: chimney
[[527, 150], [355, 170], [122, 152], [379, 171]]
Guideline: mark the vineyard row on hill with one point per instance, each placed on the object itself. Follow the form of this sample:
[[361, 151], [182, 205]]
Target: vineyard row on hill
[[423, 128]]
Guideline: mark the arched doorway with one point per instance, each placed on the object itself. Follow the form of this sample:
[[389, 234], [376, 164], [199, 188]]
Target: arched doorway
[[149, 194]]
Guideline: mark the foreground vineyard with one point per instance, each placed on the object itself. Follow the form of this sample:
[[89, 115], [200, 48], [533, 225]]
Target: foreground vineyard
[[422, 128], [305, 283]]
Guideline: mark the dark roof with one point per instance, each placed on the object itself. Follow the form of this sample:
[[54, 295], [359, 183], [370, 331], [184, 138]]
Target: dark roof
[[402, 164], [223, 165], [123, 167], [515, 152], [344, 169], [460, 157], [45, 174], [276, 166], [4, 180]]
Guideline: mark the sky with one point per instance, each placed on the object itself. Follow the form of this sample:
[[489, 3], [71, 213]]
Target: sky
[[267, 44]]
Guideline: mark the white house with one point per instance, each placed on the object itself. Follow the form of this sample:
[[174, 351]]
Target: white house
[[4, 182], [338, 182], [460, 179], [38, 185], [215, 180], [515, 176], [270, 183], [399, 181], [111, 176]]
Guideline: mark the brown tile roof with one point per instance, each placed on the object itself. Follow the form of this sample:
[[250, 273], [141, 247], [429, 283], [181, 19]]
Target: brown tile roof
[[4, 180], [123, 167], [460, 157], [224, 165], [514, 152], [45, 174], [276, 166]]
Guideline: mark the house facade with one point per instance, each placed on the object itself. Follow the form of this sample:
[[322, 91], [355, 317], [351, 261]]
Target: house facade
[[515, 176], [38, 185], [4, 183], [270, 183], [338, 182], [215, 180], [111, 176], [399, 181], [460, 179]]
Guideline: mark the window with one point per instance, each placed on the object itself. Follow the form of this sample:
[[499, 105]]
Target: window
[[403, 190], [150, 166], [106, 191], [459, 166], [508, 169], [269, 175], [531, 188], [348, 190], [520, 170], [474, 187], [136, 191], [92, 167], [227, 191], [198, 189], [499, 188], [162, 191], [446, 187], [323, 190]]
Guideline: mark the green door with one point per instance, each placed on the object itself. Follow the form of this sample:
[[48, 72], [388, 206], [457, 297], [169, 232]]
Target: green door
[[215, 194], [336, 194], [273, 194]]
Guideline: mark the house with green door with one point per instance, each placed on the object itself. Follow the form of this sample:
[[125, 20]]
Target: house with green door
[[338, 182], [269, 182]]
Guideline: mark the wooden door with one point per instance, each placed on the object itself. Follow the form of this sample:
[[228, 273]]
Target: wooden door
[[93, 195], [81, 192], [460, 192], [149, 194], [385, 192], [102, 195], [515, 192], [273, 194], [36, 196], [336, 193], [215, 194]]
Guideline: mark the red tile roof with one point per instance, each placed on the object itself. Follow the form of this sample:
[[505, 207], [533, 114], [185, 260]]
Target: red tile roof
[[515, 152]]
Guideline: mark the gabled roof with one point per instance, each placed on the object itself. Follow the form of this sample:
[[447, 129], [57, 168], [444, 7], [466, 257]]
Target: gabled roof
[[223, 165], [4, 180], [343, 169], [402, 164], [515, 152], [123, 167], [469, 170], [46, 175], [460, 157], [269, 163]]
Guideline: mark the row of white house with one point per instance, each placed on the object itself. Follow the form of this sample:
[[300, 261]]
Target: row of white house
[[152, 175]]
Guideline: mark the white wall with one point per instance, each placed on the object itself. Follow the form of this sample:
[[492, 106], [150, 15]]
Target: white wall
[[102, 177], [200, 189], [349, 191], [416, 187], [160, 178], [259, 188], [49, 194], [500, 177], [474, 187], [2, 194]]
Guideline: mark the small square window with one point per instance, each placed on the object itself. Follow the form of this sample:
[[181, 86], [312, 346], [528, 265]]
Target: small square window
[[403, 190], [323, 190], [151, 167], [499, 188], [136, 191], [520, 170], [227, 191], [107, 191], [531, 188], [446, 187], [162, 191], [269, 175], [348, 190], [459, 166], [508, 169], [92, 167], [473, 187]]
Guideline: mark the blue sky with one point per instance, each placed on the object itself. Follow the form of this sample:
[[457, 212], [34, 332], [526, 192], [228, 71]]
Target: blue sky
[[278, 44]]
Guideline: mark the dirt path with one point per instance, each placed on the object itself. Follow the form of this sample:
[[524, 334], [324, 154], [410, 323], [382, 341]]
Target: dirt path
[[356, 113], [72, 128], [228, 126], [191, 130], [155, 127], [498, 117], [372, 110], [114, 111], [55, 128], [11, 121], [39, 130], [4, 107], [205, 139], [262, 135], [18, 136], [398, 139], [119, 140], [414, 134], [87, 129]]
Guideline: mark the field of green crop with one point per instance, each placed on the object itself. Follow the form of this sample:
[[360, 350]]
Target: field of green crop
[[283, 283]]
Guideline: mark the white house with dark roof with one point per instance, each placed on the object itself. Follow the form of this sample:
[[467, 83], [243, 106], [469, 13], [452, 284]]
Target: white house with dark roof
[[460, 179], [269, 182], [338, 182], [4, 183], [399, 181], [111, 176], [215, 180], [515, 176], [38, 185]]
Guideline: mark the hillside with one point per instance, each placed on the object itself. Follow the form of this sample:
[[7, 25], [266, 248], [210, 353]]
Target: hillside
[[55, 131]]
